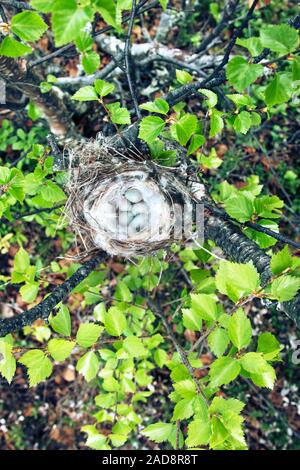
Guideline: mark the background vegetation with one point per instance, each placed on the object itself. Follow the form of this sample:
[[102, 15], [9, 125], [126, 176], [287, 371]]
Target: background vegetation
[[162, 340]]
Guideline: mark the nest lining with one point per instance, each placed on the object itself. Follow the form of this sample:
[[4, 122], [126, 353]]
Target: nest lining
[[124, 204]]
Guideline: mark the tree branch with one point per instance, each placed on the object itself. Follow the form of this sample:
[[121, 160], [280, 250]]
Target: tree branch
[[227, 15], [127, 60], [141, 9], [15, 72], [258, 228], [44, 308], [241, 249], [16, 4]]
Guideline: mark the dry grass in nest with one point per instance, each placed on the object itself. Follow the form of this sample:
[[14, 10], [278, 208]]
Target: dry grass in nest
[[124, 204]]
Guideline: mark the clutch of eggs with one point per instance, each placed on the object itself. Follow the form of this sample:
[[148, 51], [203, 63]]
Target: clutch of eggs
[[130, 208]]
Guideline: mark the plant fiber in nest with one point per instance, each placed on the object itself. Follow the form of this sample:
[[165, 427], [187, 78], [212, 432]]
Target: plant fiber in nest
[[124, 204]]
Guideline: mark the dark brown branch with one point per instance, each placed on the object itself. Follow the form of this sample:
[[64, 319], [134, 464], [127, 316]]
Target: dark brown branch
[[44, 308]]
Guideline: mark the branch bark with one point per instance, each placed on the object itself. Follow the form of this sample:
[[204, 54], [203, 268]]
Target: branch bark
[[241, 249], [44, 308]]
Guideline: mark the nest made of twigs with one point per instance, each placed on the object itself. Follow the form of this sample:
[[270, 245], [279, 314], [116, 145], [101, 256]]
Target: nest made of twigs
[[125, 204]]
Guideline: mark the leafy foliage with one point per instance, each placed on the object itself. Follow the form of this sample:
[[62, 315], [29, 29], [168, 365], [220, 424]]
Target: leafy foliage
[[121, 340]]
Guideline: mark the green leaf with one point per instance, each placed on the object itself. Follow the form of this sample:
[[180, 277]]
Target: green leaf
[[242, 122], [21, 261], [205, 306], [184, 409], [8, 367], [134, 346], [239, 329], [164, 4], [11, 48], [115, 322], [60, 349], [183, 77], [279, 38], [158, 432], [196, 142], [263, 240], [199, 432], [220, 405], [219, 434], [95, 440], [212, 97], [107, 9], [52, 192], [88, 334], [61, 323], [184, 128], [157, 106], [39, 366], [281, 261], [84, 41], [86, 93], [29, 291], [88, 365], [118, 115], [218, 341], [285, 288], [90, 62], [269, 346], [255, 119], [46, 6], [216, 123], [240, 100], [150, 128], [241, 74], [268, 206], [237, 280], [103, 88], [211, 161], [8, 362], [223, 371], [28, 25], [191, 319], [67, 21], [254, 363], [160, 357], [253, 45], [296, 68], [4, 174], [123, 293], [266, 378], [186, 388], [279, 90]]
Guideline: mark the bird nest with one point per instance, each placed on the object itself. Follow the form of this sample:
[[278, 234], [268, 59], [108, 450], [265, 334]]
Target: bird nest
[[125, 204]]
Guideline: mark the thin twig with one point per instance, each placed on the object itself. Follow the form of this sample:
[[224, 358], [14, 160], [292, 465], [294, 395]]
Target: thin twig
[[179, 349], [127, 60], [227, 14]]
